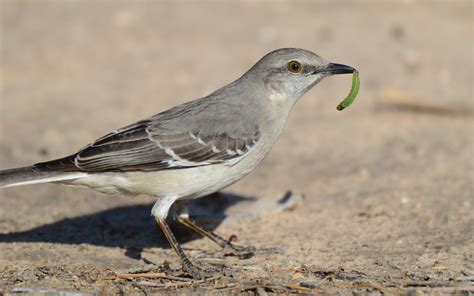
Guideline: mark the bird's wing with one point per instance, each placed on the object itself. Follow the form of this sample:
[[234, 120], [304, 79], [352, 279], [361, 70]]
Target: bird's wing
[[158, 144]]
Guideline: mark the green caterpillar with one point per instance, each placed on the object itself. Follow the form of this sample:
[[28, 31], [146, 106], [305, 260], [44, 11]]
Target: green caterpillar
[[352, 94]]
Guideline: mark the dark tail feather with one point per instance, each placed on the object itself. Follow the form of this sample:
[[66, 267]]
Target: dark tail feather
[[28, 175]]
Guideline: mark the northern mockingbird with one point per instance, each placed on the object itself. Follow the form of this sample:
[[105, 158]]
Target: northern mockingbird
[[193, 149]]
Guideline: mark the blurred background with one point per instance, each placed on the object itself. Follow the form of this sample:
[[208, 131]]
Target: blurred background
[[388, 182]]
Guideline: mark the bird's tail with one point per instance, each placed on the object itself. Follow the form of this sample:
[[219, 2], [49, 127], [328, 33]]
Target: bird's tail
[[30, 175]]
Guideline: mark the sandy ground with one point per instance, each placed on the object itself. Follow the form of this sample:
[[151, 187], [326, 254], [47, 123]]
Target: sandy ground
[[388, 183]]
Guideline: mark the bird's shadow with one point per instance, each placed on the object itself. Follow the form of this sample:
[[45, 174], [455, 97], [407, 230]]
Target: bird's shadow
[[130, 227]]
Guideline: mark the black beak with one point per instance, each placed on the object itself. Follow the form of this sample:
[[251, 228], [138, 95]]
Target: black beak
[[333, 69]]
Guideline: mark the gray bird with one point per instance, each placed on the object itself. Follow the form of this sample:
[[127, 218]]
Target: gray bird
[[193, 149]]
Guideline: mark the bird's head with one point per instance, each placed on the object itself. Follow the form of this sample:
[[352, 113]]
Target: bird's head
[[288, 73]]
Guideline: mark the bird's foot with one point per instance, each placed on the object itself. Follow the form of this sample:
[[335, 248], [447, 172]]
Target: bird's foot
[[248, 252], [239, 251]]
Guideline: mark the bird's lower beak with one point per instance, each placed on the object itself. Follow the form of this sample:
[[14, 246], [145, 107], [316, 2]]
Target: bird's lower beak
[[333, 69]]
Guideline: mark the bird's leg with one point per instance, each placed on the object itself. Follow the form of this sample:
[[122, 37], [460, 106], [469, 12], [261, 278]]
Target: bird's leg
[[180, 212], [229, 248], [188, 266]]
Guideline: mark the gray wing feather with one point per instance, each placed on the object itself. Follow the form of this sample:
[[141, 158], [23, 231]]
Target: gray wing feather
[[181, 137]]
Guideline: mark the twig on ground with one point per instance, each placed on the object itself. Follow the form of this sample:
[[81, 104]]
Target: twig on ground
[[175, 284], [299, 288]]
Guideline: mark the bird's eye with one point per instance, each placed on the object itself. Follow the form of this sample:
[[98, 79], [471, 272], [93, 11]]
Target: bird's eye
[[295, 67]]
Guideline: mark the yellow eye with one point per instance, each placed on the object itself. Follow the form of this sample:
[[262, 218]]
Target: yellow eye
[[295, 67]]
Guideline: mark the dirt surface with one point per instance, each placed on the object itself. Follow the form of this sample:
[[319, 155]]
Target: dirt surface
[[387, 184]]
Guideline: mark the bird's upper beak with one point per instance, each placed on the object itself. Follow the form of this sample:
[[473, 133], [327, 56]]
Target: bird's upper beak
[[333, 69]]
